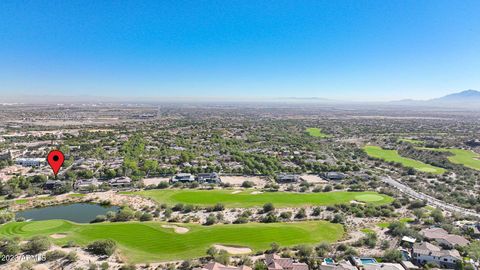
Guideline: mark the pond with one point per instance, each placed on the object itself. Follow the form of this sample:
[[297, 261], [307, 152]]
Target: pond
[[77, 212]]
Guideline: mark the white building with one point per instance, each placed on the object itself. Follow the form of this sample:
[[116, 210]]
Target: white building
[[425, 252], [183, 178], [30, 162]]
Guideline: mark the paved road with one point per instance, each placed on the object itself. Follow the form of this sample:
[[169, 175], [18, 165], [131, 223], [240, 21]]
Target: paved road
[[431, 200]]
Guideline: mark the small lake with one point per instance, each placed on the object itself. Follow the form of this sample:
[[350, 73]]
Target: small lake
[[77, 212]]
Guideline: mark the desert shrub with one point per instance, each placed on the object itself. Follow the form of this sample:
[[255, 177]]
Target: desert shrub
[[37, 244], [102, 247]]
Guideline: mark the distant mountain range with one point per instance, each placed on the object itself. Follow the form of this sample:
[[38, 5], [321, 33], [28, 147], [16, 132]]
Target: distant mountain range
[[465, 99], [468, 99]]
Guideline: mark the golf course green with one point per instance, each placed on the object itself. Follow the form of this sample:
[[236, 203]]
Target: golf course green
[[251, 198], [151, 242], [393, 156], [316, 132], [463, 157]]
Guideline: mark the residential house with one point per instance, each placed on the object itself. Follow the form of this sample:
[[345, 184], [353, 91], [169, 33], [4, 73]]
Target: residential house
[[86, 184], [383, 266], [333, 176], [444, 238], [219, 266], [5, 155], [182, 178], [425, 252], [120, 182], [287, 178], [210, 178], [30, 162], [53, 184], [275, 262], [338, 266]]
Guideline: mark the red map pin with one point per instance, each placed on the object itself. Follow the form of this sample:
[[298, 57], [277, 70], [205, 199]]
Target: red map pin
[[55, 159]]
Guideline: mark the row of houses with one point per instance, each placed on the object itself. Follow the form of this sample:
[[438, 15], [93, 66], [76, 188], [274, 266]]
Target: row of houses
[[208, 178], [87, 184], [419, 255], [272, 262], [293, 178], [275, 262], [30, 162]]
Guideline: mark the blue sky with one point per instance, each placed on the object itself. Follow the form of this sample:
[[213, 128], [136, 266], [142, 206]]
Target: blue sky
[[349, 50]]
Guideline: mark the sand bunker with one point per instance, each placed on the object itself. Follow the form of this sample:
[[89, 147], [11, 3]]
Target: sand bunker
[[234, 250], [58, 235], [177, 229], [356, 202], [256, 192], [237, 191]]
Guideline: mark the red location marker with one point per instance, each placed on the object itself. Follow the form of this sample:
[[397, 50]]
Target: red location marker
[[55, 159]]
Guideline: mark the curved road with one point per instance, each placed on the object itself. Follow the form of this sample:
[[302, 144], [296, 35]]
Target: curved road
[[431, 200]]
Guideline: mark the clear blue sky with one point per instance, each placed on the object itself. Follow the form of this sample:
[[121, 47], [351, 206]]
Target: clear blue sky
[[365, 50]]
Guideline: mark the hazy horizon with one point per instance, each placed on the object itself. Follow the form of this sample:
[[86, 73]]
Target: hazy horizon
[[189, 99]]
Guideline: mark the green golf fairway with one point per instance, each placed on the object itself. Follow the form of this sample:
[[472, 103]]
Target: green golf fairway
[[316, 132], [463, 157], [150, 242], [393, 156], [248, 198]]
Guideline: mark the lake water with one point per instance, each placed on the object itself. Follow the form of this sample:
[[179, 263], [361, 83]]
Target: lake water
[[77, 212]]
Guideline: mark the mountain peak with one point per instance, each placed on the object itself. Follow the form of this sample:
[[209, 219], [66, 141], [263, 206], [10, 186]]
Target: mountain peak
[[464, 96]]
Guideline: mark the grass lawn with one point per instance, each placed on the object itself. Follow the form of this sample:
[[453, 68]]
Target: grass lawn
[[367, 230], [246, 199], [407, 220], [393, 156], [316, 132], [463, 157], [385, 225], [77, 195], [21, 201], [149, 242]]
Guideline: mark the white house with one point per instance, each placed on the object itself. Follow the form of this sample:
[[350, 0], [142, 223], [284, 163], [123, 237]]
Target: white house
[[425, 252], [182, 177], [30, 162]]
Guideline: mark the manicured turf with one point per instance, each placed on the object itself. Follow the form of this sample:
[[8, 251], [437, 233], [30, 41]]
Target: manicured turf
[[77, 195], [367, 230], [463, 157], [316, 132], [149, 242], [393, 156], [248, 198], [385, 225], [21, 201]]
